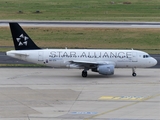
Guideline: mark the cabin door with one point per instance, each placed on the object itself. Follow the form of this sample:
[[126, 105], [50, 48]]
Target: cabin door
[[134, 57]]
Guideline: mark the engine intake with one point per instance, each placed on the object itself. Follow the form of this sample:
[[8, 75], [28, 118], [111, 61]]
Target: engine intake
[[106, 69]]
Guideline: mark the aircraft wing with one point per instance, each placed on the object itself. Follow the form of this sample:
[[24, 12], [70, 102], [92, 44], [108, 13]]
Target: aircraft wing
[[91, 64], [83, 62]]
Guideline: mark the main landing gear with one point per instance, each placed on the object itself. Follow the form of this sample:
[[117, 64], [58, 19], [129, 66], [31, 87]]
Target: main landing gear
[[133, 72], [84, 73]]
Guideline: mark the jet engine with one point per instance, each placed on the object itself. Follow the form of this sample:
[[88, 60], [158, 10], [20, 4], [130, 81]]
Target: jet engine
[[104, 69]]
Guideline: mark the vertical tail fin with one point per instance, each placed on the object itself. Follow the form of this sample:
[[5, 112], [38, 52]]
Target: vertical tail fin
[[20, 38]]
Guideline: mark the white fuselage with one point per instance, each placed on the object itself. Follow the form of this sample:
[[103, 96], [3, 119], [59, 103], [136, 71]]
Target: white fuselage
[[62, 58]]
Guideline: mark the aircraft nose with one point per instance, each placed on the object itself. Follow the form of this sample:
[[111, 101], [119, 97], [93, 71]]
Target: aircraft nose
[[154, 61]]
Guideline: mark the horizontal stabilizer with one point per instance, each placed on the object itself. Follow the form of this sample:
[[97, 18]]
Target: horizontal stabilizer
[[17, 53]]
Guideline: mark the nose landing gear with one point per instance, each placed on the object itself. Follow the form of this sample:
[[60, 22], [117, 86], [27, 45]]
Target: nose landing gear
[[133, 72]]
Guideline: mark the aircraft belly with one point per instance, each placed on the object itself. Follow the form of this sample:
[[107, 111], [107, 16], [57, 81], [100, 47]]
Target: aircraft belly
[[125, 64]]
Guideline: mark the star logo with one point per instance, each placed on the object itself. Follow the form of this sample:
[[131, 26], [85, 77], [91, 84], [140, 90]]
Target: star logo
[[22, 40]]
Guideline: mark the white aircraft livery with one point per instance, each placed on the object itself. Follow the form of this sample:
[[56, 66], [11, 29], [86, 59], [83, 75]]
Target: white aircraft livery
[[103, 61]]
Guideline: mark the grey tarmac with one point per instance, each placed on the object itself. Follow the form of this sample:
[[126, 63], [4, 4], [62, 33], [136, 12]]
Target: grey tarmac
[[62, 94], [84, 24]]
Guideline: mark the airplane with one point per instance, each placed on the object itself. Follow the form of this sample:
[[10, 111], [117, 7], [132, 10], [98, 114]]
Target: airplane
[[102, 61]]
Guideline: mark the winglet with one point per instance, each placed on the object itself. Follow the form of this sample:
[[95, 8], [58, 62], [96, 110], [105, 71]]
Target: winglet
[[20, 38]]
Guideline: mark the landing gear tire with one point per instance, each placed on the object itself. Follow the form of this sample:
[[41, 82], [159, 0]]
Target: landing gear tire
[[84, 73], [134, 74]]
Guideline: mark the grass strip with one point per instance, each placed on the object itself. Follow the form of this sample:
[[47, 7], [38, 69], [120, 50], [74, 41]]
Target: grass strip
[[90, 10], [23, 65]]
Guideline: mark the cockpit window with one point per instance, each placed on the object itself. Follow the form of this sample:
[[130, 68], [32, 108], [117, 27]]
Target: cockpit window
[[146, 56]]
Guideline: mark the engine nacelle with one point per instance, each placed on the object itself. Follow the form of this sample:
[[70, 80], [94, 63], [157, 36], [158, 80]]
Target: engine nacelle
[[106, 69]]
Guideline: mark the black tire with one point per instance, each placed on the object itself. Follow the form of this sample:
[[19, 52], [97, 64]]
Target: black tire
[[84, 73], [134, 74]]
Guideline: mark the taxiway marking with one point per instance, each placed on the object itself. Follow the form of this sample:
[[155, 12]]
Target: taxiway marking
[[138, 98], [128, 105]]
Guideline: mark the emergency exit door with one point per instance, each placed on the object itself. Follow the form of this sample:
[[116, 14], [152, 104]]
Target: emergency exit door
[[40, 56]]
